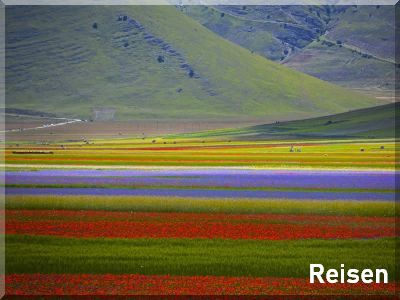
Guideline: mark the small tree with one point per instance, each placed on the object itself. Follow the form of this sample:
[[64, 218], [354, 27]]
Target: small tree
[[160, 59], [94, 26], [191, 73], [222, 15]]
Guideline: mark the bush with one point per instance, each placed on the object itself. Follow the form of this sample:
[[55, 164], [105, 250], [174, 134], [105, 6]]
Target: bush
[[329, 44], [191, 73], [94, 26], [160, 59], [222, 15]]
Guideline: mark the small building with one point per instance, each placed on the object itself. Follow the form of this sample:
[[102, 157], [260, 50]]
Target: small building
[[103, 113]]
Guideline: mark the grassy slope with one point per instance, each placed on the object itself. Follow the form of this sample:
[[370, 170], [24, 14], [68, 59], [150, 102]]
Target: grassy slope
[[56, 62], [371, 28], [376, 122], [261, 29], [346, 67], [365, 61], [267, 30]]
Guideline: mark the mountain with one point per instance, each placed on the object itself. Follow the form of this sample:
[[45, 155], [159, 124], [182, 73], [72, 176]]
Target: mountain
[[352, 46], [374, 122], [150, 62]]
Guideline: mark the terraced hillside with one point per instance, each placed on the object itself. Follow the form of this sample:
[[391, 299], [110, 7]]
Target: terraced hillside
[[150, 62], [352, 46], [375, 122]]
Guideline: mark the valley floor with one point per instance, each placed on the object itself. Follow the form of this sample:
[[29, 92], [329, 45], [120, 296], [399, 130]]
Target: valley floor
[[188, 217]]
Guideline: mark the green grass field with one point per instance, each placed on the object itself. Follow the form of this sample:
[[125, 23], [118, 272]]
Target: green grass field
[[174, 204], [37, 254]]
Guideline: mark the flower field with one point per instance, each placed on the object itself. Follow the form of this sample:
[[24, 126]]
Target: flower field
[[190, 225], [225, 218], [324, 154], [110, 284]]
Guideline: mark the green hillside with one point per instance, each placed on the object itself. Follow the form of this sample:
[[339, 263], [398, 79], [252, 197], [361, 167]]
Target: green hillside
[[141, 62], [352, 46], [346, 67], [370, 28], [374, 122], [357, 51]]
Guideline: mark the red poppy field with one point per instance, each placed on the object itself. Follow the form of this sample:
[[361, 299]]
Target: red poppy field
[[132, 284], [89, 224]]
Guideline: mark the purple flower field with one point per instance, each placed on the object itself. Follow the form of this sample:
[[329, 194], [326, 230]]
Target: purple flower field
[[200, 183], [204, 193], [218, 177]]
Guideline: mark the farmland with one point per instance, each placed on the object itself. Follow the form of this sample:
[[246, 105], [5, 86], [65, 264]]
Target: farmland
[[326, 154], [181, 216]]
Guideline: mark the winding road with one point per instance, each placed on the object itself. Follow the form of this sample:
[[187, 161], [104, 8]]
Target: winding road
[[63, 121]]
